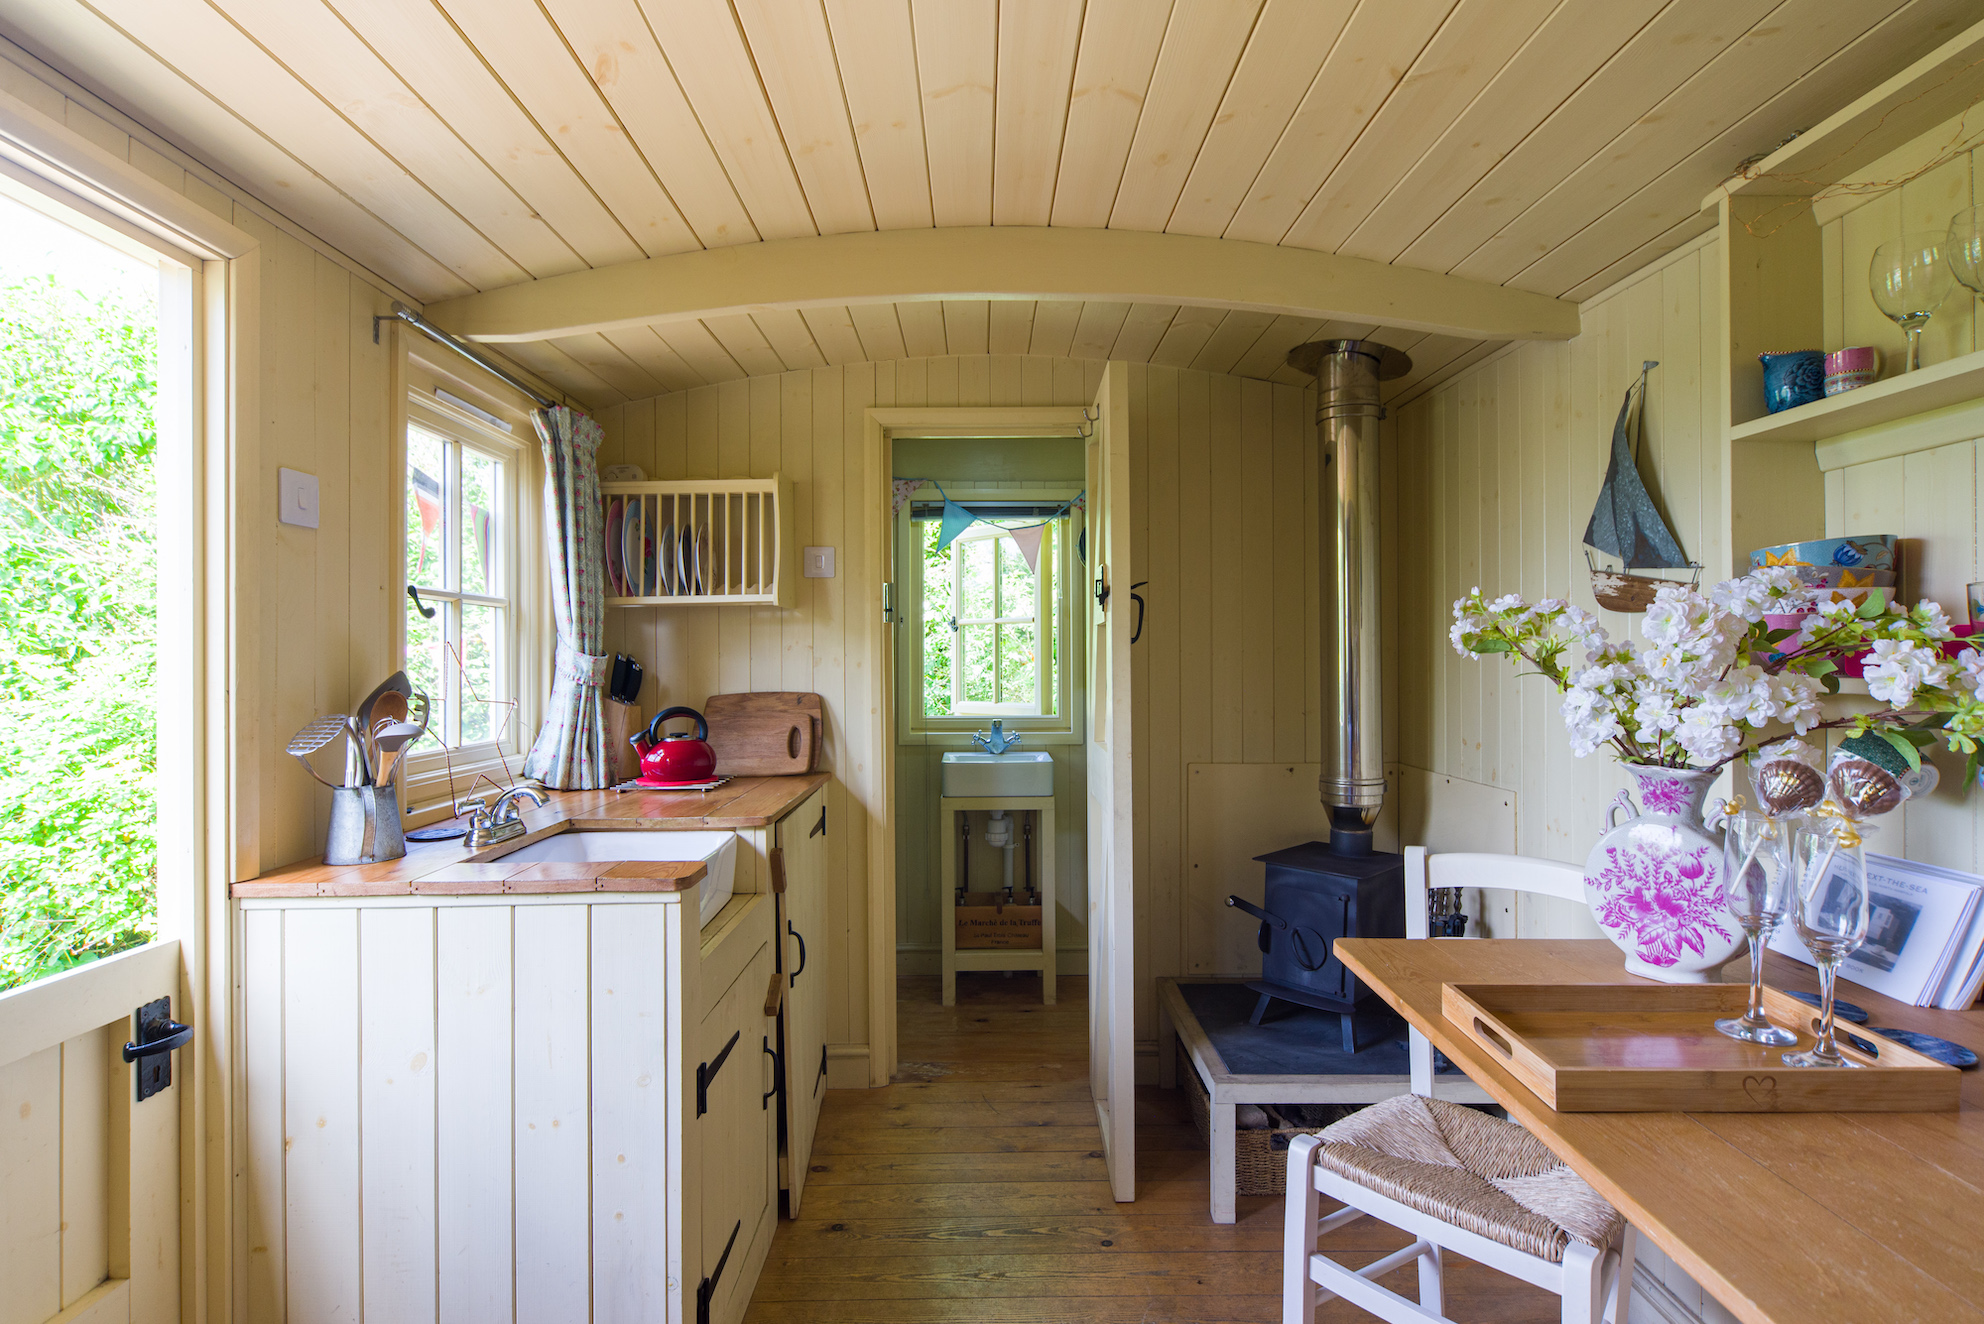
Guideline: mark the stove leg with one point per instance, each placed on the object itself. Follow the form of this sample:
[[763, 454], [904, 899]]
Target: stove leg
[[1348, 1022], [1260, 1010]]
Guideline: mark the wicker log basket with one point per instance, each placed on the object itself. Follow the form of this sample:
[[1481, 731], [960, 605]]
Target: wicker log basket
[[1260, 1156]]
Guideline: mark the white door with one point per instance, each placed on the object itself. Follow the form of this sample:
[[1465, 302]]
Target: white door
[[1111, 930], [89, 1174]]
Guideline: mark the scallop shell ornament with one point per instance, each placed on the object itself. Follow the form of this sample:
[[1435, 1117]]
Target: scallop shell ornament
[[1787, 786], [1864, 789]]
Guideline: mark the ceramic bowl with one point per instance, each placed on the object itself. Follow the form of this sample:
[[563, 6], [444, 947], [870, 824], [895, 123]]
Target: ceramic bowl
[[1862, 552], [1851, 368], [1793, 379], [1844, 576]]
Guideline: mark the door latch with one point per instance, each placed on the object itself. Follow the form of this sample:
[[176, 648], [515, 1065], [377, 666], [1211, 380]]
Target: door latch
[[158, 1035], [888, 604]]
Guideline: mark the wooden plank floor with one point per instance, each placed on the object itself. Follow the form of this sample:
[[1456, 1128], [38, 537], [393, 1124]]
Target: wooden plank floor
[[973, 1189]]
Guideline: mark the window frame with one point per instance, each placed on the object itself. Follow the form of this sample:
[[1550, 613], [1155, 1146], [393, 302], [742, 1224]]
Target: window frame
[[427, 791], [1043, 581], [1059, 575]]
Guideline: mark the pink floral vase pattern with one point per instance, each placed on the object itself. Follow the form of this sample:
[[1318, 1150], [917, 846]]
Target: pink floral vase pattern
[[1654, 880]]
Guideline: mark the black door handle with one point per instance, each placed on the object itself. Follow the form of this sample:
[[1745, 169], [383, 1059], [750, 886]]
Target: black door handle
[[820, 826], [706, 1073], [175, 1036], [778, 1075], [157, 1036], [802, 950]]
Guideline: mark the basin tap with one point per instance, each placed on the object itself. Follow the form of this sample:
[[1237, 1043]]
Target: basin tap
[[998, 742], [489, 824]]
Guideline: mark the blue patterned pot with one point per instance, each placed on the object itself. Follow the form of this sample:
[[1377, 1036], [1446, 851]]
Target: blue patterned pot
[[1793, 379]]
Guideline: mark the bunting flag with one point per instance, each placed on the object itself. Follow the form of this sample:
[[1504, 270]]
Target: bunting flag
[[1029, 543], [902, 490], [956, 520]]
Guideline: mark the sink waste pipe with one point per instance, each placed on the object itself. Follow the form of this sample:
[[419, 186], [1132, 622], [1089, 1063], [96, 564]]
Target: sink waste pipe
[[999, 836], [1348, 413]]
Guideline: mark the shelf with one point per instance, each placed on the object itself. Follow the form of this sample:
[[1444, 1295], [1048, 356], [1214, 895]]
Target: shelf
[[1938, 386], [1937, 87], [738, 549]]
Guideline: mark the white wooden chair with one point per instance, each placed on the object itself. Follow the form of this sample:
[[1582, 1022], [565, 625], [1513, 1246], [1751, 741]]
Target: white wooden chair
[[1452, 1178]]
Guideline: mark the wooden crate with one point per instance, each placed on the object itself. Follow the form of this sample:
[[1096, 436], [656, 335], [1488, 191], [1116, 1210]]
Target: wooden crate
[[1655, 1048], [986, 923]]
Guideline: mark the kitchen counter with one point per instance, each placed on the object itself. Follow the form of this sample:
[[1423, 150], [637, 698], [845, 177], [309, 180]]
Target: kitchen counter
[[447, 868]]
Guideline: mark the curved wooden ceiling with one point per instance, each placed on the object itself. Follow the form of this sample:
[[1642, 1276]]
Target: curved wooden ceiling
[[457, 146]]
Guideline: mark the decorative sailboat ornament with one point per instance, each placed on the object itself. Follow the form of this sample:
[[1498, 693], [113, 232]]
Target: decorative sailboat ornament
[[1626, 524]]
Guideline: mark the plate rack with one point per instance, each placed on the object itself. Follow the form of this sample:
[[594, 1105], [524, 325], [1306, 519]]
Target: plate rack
[[693, 542]]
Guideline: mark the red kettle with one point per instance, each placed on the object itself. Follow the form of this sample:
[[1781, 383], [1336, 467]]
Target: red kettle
[[678, 758]]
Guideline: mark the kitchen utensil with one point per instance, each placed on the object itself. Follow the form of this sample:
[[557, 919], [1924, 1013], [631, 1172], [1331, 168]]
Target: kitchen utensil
[[1910, 279], [391, 707], [680, 757], [635, 675], [391, 737], [616, 515], [397, 683], [313, 737], [723, 710], [633, 546]]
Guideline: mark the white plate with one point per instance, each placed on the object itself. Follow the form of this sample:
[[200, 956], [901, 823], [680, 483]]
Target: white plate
[[685, 564], [705, 567], [666, 563], [632, 546]]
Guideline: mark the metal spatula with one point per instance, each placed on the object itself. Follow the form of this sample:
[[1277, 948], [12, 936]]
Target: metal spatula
[[313, 737]]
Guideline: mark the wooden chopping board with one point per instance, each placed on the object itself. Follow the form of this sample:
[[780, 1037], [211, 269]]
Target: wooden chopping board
[[774, 733]]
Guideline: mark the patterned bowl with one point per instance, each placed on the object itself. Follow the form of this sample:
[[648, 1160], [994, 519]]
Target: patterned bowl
[[1851, 368], [1875, 551]]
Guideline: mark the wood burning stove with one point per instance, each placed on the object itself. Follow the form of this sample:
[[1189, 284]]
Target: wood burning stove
[[1315, 895]]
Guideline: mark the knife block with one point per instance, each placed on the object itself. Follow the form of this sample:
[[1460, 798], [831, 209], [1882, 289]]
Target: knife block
[[623, 722]]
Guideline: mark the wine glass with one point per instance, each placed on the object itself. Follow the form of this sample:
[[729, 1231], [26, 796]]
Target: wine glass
[[1964, 247], [1831, 915], [1757, 874], [1910, 279]]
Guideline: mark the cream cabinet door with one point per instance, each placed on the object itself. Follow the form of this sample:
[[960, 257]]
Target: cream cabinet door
[[802, 849], [738, 1134]]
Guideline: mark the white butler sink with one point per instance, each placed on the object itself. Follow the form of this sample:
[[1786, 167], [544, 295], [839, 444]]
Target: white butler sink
[[1013, 773], [716, 850]]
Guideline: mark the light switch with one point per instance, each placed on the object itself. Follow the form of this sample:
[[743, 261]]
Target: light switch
[[299, 498], [819, 563]]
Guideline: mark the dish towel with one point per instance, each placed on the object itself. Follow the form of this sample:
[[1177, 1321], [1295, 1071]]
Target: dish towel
[[570, 750]]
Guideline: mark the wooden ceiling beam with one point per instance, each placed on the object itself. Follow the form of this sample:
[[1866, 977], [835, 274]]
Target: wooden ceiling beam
[[1006, 262]]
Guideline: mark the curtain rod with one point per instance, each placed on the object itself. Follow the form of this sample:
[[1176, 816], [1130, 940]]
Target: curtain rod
[[434, 333]]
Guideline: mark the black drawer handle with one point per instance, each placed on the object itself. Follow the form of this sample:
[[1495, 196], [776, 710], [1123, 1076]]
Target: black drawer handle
[[778, 1076], [706, 1073], [823, 1069], [706, 1290], [175, 1036], [801, 938]]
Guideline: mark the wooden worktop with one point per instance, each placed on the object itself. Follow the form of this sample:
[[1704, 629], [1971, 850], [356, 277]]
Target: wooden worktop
[[447, 868], [1784, 1218]]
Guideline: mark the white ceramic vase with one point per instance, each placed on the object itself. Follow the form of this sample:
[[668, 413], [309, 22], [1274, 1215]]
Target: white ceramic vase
[[1654, 880]]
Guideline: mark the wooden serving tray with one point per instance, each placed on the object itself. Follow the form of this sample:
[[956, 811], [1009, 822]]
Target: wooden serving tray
[[1601, 1048]]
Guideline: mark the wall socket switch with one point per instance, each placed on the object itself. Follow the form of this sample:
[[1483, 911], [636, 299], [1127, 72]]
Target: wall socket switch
[[819, 563], [299, 498]]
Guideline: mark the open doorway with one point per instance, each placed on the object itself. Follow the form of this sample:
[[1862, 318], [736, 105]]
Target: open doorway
[[79, 600], [989, 692]]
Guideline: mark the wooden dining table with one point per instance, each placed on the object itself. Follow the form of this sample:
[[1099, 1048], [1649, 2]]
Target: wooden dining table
[[1784, 1218]]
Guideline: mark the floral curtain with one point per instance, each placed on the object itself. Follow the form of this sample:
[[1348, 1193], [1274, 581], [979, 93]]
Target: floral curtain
[[570, 752]]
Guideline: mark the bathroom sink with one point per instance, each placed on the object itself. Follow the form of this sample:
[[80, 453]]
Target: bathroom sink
[[716, 850], [970, 773]]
